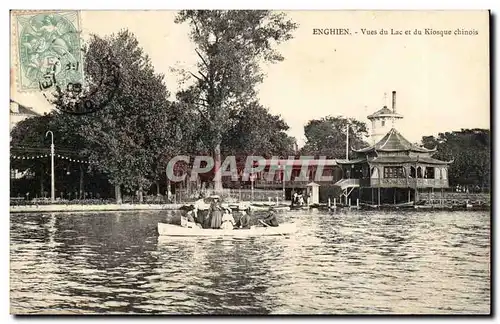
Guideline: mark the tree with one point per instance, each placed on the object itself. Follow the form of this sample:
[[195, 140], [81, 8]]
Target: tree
[[28, 139], [230, 45], [327, 136], [128, 138], [470, 150], [258, 132]]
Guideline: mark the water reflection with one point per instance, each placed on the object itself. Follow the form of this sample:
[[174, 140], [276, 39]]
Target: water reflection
[[352, 262]]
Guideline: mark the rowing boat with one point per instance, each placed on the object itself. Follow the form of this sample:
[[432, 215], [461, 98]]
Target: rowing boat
[[176, 230]]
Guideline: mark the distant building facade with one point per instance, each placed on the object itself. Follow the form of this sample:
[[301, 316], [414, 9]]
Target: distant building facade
[[19, 112]]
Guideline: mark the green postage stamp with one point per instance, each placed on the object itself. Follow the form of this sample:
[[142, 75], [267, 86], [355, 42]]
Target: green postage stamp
[[49, 51]]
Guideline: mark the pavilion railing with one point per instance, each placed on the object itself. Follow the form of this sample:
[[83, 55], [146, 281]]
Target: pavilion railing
[[408, 183]]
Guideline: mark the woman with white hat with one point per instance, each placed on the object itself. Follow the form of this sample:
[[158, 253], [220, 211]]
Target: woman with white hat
[[227, 220]]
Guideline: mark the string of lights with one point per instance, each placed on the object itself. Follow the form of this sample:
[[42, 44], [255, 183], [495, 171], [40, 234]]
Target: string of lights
[[19, 157]]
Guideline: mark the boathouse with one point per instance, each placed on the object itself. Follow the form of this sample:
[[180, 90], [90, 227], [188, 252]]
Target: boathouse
[[392, 170]]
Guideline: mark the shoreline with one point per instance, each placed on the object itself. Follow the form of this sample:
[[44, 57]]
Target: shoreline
[[257, 206], [103, 207]]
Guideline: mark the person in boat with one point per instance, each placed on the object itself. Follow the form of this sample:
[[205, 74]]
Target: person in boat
[[192, 217], [190, 214], [200, 211], [271, 219], [188, 220], [215, 215], [207, 217], [244, 220], [227, 220]]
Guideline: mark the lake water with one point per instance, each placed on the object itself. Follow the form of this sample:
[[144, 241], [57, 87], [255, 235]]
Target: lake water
[[353, 262]]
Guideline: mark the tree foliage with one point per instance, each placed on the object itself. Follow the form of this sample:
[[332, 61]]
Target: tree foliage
[[130, 137], [230, 45], [470, 150], [258, 132], [29, 140], [327, 136]]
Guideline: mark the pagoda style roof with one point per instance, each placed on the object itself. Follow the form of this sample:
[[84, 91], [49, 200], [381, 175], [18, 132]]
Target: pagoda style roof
[[393, 141], [384, 112]]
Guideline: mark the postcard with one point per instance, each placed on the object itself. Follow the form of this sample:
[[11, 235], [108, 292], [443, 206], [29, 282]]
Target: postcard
[[250, 162]]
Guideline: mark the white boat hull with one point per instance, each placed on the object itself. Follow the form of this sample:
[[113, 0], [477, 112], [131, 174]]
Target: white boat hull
[[176, 230]]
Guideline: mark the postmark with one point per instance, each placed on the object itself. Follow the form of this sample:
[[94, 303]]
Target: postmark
[[94, 93], [51, 60], [49, 49]]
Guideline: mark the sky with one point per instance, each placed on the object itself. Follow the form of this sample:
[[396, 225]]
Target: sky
[[442, 83]]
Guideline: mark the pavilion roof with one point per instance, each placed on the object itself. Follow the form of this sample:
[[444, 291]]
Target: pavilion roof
[[395, 159], [393, 141]]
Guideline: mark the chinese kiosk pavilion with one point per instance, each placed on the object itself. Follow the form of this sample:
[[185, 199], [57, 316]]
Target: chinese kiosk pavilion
[[393, 170]]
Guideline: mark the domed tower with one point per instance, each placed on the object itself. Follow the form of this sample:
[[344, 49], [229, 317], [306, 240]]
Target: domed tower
[[383, 121]]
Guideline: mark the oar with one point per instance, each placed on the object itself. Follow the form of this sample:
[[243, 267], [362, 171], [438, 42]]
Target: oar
[[260, 220]]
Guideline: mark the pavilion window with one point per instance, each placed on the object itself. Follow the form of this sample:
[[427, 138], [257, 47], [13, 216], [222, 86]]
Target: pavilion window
[[419, 172], [413, 172], [356, 172], [429, 173], [394, 172], [444, 173], [365, 171]]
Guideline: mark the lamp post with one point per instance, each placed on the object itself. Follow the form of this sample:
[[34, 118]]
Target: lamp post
[[252, 178], [283, 177], [52, 179], [347, 142]]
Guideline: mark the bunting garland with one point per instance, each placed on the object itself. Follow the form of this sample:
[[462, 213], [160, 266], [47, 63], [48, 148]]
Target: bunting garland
[[47, 155]]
